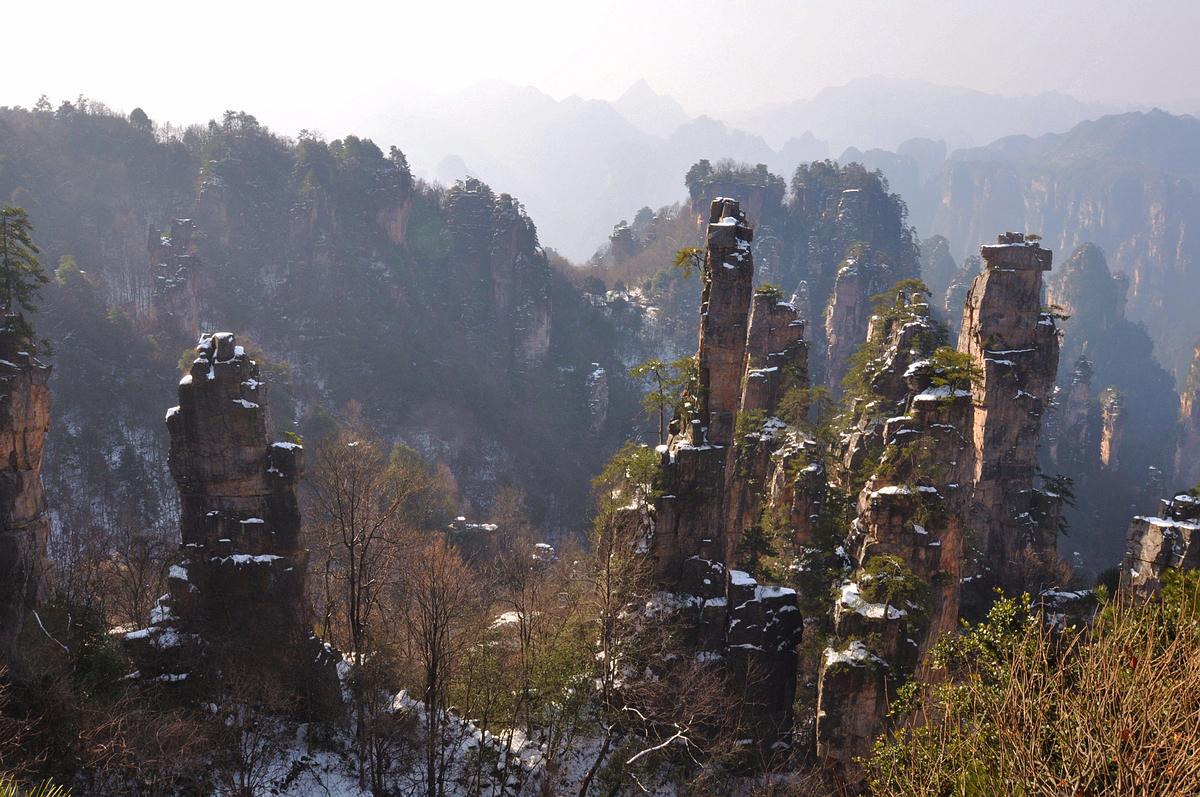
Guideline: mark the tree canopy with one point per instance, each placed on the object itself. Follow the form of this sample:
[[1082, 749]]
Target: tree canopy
[[22, 272]]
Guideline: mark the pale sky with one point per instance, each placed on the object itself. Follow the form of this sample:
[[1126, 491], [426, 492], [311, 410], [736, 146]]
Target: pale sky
[[306, 64]]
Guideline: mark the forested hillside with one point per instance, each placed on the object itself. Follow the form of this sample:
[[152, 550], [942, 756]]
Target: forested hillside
[[436, 309]]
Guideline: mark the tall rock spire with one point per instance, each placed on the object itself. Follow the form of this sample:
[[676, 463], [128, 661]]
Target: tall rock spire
[[24, 420], [724, 318], [1015, 345], [241, 579]]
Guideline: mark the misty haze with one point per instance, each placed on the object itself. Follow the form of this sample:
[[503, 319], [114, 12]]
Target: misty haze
[[519, 400]]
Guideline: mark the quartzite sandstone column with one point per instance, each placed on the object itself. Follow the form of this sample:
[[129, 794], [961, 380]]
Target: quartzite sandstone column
[[239, 514], [24, 420], [724, 316], [1015, 345]]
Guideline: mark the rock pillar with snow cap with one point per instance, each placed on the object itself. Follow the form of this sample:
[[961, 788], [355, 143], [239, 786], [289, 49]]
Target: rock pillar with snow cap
[[241, 578], [1013, 340], [724, 318]]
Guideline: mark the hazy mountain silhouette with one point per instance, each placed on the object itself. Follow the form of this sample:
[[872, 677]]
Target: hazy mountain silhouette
[[656, 114], [1126, 182], [580, 166], [881, 112]]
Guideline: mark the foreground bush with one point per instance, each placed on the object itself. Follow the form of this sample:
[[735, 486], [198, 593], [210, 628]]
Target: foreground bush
[[9, 788], [1110, 710]]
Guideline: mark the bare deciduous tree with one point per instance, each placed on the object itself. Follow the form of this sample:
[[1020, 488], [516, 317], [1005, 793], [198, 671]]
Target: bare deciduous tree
[[441, 610], [363, 503]]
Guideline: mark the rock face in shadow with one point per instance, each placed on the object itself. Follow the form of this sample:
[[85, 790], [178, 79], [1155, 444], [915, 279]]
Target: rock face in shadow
[[1187, 452], [240, 583], [24, 568], [507, 288], [1069, 444], [849, 315], [172, 269]]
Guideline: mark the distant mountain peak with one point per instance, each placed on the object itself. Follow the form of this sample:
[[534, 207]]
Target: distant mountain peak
[[639, 91], [653, 113]]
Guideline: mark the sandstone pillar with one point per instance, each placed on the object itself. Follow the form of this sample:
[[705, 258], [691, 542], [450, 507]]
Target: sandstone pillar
[[24, 420], [725, 305], [1015, 345]]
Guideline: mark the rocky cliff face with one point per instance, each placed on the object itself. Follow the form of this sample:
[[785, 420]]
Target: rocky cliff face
[[942, 452], [724, 316], [848, 318], [242, 573], [691, 512], [24, 419], [172, 267], [597, 399], [754, 197], [776, 361], [1155, 545], [956, 293], [491, 240], [1113, 415], [1187, 452], [802, 244], [239, 515], [1068, 445], [1124, 182], [910, 509]]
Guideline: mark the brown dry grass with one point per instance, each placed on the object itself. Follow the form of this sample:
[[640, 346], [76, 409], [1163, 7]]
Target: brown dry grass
[[1113, 710]]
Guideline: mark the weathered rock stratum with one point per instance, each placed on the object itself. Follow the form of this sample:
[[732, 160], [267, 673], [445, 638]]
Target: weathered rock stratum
[[1015, 345], [746, 364], [1155, 545], [24, 568], [959, 451], [172, 269], [240, 583], [1187, 452]]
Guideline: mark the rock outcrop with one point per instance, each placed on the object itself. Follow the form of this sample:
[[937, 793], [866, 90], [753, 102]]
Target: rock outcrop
[[908, 514], [1157, 544], [172, 269], [1063, 187], [1113, 416], [597, 398], [240, 583], [1187, 452], [848, 318], [24, 420], [503, 271], [724, 318], [754, 196], [956, 293], [958, 451], [691, 511], [1069, 444], [776, 361], [239, 511]]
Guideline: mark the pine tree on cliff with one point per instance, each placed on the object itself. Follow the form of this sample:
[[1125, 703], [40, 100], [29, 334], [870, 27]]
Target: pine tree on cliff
[[22, 273]]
